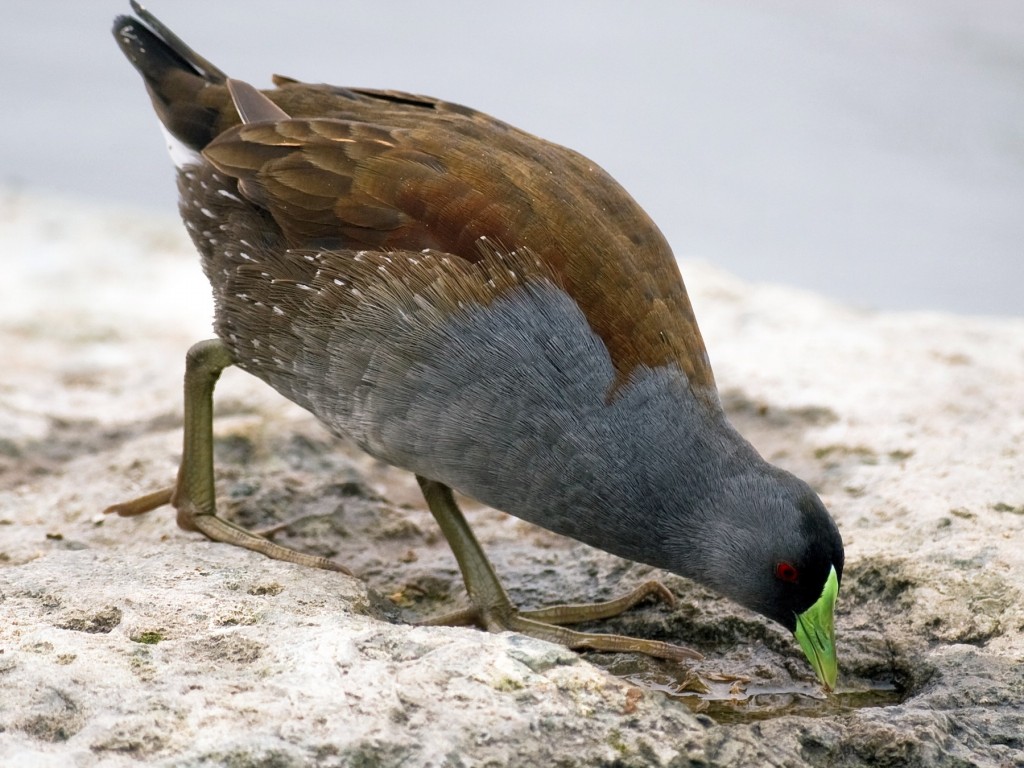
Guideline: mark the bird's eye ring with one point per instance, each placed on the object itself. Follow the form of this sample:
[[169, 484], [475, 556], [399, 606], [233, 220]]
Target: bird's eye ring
[[786, 572]]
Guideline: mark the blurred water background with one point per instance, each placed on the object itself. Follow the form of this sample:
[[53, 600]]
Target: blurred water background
[[870, 150]]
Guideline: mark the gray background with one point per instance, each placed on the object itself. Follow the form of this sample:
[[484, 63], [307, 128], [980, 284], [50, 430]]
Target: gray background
[[872, 150]]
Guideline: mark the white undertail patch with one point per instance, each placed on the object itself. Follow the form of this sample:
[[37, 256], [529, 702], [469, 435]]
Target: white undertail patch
[[181, 153]]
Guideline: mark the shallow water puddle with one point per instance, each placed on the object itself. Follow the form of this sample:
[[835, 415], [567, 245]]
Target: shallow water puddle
[[734, 699], [727, 704]]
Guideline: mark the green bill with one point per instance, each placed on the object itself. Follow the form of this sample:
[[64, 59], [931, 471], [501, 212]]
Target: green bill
[[815, 631]]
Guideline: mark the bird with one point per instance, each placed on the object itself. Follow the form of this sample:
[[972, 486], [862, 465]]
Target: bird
[[487, 310]]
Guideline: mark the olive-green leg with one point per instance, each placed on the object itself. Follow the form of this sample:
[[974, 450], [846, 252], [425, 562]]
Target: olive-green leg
[[193, 493], [493, 610]]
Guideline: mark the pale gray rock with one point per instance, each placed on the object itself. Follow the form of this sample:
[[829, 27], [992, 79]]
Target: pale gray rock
[[127, 640]]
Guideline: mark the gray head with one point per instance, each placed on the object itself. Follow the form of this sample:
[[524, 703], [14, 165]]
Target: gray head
[[775, 528], [771, 546]]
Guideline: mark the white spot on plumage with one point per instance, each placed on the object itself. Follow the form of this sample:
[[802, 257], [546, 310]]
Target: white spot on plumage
[[228, 194], [278, 311]]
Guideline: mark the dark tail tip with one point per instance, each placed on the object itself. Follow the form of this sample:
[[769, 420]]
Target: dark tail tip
[[174, 74], [154, 49]]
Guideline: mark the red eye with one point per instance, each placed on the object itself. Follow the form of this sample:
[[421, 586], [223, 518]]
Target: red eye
[[786, 572]]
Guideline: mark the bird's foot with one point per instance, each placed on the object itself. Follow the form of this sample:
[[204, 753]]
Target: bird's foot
[[493, 611], [193, 493], [547, 624], [191, 518]]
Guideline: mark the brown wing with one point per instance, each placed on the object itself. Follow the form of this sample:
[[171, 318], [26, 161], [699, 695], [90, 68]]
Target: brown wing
[[397, 171]]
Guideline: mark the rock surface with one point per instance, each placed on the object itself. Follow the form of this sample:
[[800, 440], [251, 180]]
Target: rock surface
[[128, 640]]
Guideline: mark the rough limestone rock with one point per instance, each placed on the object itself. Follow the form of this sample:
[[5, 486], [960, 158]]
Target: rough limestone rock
[[127, 640]]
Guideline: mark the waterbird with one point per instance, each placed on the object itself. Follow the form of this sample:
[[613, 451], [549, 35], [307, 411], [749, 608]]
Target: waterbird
[[487, 310]]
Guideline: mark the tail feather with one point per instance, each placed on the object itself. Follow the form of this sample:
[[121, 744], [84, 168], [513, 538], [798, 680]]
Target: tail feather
[[174, 76]]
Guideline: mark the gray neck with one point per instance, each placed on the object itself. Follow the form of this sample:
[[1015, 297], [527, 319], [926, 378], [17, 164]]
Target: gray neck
[[626, 477]]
